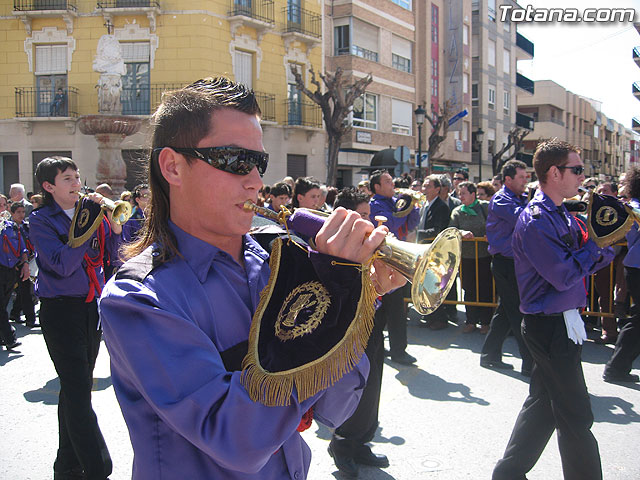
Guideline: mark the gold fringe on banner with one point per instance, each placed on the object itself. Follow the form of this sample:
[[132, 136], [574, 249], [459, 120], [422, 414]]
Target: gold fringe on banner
[[274, 389]]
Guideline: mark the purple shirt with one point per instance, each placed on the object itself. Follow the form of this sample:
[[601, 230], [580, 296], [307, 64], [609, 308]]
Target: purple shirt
[[381, 205], [632, 259], [549, 259], [504, 210], [10, 239], [62, 269], [134, 224], [188, 417]]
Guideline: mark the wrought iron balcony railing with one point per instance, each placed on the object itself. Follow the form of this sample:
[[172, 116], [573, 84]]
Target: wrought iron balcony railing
[[144, 99], [306, 114], [128, 3], [267, 102], [37, 102], [33, 5], [261, 10], [299, 20]]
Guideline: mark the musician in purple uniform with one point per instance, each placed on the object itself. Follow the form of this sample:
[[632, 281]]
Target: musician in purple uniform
[[14, 267], [178, 313], [552, 256], [140, 198], [383, 203], [69, 283]]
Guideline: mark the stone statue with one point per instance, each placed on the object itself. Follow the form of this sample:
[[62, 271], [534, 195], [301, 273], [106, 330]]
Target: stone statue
[[110, 64]]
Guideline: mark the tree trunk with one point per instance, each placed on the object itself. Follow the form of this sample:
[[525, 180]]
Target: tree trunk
[[332, 160]]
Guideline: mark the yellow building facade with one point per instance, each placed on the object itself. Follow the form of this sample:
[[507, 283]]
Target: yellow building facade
[[47, 79]]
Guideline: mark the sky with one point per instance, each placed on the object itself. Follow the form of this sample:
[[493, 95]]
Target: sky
[[589, 59]]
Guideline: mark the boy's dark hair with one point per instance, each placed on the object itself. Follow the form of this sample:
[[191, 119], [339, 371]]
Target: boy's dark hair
[[549, 154], [374, 179], [280, 188], [302, 186], [182, 120], [350, 198], [15, 206], [47, 170], [510, 169]]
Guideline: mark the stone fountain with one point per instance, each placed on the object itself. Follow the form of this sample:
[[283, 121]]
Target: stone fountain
[[110, 127]]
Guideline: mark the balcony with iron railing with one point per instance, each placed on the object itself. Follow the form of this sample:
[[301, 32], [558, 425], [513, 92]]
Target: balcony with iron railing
[[525, 83], [129, 4], [358, 52], [144, 99], [524, 121], [267, 103], [256, 14], [33, 102], [526, 47], [636, 55], [636, 90], [301, 25], [302, 114], [27, 10], [635, 124]]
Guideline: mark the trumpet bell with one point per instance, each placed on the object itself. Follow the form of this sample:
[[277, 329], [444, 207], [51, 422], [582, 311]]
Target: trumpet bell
[[431, 268], [121, 212]]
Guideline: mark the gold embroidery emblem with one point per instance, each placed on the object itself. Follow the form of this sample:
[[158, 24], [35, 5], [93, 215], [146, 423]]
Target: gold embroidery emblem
[[83, 219], [606, 216], [401, 204], [302, 311]]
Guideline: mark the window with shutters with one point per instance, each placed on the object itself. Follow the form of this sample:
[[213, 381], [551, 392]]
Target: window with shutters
[[401, 54], [401, 117], [342, 44], [296, 166], [136, 91], [365, 111], [51, 80], [243, 68], [474, 94], [365, 40]]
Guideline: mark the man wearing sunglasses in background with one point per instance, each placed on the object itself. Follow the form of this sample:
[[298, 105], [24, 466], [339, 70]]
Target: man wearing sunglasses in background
[[552, 256], [459, 177], [183, 303]]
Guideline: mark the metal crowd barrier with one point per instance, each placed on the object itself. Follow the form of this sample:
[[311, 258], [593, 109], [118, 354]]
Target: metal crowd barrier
[[590, 310]]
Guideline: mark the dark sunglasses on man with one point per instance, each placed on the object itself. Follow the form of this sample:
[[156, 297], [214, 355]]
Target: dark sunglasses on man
[[576, 169], [238, 161]]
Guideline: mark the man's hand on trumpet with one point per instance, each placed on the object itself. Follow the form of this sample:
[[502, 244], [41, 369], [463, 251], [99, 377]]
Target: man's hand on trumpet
[[347, 235]]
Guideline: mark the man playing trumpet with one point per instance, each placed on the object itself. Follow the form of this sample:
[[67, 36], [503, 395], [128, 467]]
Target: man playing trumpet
[[181, 308]]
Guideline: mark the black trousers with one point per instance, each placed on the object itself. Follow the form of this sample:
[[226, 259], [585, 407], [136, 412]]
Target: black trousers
[[507, 316], [558, 400], [70, 329], [361, 427], [395, 318], [24, 302], [627, 346], [8, 278]]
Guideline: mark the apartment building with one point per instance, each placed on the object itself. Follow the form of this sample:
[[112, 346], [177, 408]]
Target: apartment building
[[635, 121], [47, 82], [497, 86], [418, 54], [608, 148]]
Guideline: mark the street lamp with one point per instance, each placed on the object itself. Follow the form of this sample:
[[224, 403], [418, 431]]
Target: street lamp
[[479, 134], [419, 113]]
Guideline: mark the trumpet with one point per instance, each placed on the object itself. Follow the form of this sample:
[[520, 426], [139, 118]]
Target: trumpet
[[430, 268], [120, 209]]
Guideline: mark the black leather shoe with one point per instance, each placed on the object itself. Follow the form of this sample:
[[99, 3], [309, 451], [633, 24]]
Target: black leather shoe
[[346, 465], [12, 345], [613, 376], [364, 456], [496, 365], [403, 358]]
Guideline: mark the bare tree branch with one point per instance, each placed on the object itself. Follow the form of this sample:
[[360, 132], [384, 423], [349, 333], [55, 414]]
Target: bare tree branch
[[515, 139]]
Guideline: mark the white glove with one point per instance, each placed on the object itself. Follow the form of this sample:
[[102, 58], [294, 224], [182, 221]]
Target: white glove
[[575, 326]]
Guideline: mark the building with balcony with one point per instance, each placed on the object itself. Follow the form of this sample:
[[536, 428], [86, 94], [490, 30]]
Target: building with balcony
[[496, 86], [635, 88], [407, 47], [48, 81], [608, 148]]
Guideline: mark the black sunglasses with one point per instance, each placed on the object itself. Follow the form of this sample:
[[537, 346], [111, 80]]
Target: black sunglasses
[[576, 170], [238, 161]]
